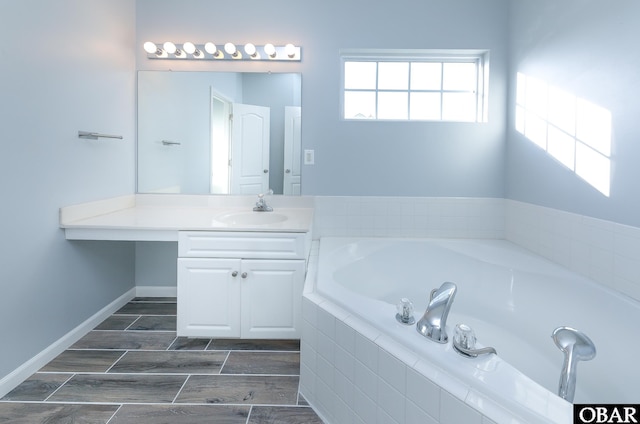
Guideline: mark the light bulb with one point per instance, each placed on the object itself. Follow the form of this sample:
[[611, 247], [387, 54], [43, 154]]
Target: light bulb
[[169, 47], [230, 48], [250, 49], [290, 50], [270, 50], [189, 47], [151, 48], [211, 48]]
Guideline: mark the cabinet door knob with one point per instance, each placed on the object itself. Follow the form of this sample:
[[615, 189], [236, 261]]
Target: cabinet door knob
[[244, 275], [234, 274]]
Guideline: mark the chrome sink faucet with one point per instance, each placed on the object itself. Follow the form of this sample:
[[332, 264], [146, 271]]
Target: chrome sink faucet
[[433, 323], [261, 204]]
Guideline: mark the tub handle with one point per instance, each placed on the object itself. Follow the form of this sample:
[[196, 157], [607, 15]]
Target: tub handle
[[473, 353], [464, 342]]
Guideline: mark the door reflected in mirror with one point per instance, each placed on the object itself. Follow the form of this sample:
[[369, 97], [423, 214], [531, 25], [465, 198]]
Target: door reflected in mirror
[[219, 132]]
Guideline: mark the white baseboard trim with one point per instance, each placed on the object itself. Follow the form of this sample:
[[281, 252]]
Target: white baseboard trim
[[24, 371], [156, 291]]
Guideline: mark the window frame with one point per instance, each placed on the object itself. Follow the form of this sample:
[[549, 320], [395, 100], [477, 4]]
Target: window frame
[[478, 56]]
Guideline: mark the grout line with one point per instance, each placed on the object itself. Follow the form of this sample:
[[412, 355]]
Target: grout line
[[249, 414], [116, 361], [134, 321], [224, 362], [180, 390], [209, 344], [114, 413], [60, 387], [168, 349]]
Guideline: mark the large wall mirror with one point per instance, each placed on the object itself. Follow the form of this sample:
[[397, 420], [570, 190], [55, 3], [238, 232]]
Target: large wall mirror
[[219, 132]]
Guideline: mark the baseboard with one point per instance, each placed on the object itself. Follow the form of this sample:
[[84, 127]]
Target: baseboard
[[24, 371], [156, 291]]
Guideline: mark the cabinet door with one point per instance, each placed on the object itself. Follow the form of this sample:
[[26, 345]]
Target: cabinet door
[[272, 298], [208, 297]]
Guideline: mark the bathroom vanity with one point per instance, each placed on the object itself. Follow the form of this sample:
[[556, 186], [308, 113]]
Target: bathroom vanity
[[240, 273]]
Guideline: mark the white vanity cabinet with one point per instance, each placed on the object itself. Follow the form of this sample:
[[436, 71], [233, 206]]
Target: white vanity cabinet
[[241, 284]]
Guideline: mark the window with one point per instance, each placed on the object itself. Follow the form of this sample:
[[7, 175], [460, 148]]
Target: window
[[574, 131], [415, 85]]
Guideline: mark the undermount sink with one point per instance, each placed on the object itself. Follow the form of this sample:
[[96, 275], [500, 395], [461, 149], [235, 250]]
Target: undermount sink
[[251, 218]]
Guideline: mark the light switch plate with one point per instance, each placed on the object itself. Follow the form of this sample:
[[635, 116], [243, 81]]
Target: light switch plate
[[309, 157]]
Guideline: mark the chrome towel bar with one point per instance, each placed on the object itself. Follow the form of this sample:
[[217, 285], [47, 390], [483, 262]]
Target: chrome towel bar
[[94, 136]]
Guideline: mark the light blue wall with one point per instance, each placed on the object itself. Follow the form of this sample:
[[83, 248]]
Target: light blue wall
[[358, 158], [65, 66], [590, 49]]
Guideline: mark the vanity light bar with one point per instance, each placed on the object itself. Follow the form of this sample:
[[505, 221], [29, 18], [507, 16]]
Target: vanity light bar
[[228, 51]]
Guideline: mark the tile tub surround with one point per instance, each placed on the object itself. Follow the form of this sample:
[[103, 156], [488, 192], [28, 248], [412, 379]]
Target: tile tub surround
[[133, 369], [351, 373], [605, 251]]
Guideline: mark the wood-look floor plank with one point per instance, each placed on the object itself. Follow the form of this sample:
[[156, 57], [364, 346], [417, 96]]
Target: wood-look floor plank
[[32, 413], [283, 363], [117, 322], [181, 414], [180, 362], [149, 340], [107, 388], [83, 361], [155, 323], [148, 308], [251, 344], [186, 343], [279, 390], [283, 415], [37, 387]]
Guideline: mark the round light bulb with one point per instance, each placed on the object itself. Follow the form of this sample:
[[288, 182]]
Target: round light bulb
[[250, 49], [189, 47], [290, 50], [150, 47], [270, 50], [210, 48], [169, 47], [230, 48]]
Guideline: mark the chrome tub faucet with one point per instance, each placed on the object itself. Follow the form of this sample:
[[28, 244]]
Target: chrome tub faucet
[[434, 321]]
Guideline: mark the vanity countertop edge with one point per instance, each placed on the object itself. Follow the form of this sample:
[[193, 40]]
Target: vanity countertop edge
[[149, 217]]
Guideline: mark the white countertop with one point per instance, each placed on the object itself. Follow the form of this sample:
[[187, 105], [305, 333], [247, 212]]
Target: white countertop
[[160, 217]]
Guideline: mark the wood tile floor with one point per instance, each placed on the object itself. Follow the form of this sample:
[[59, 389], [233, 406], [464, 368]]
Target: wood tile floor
[[133, 369]]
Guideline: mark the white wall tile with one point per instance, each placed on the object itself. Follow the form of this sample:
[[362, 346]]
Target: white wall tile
[[415, 414], [326, 323], [343, 413], [310, 311], [325, 347], [325, 399], [367, 352], [391, 401], [392, 370], [384, 418], [454, 411], [345, 337], [423, 392], [345, 362], [344, 388], [324, 371], [366, 380], [364, 407]]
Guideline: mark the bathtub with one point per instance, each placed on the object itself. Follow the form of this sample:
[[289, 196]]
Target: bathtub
[[512, 299]]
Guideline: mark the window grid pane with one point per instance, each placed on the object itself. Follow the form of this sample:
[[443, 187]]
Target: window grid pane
[[412, 90]]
